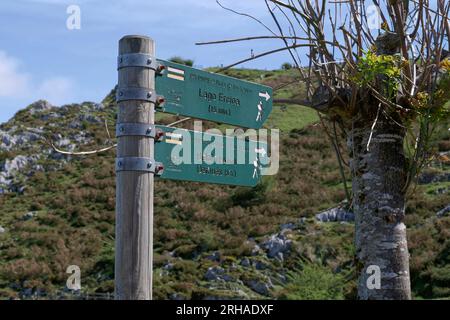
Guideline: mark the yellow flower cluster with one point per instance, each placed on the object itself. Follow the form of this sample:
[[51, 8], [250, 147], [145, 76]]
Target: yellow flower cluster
[[446, 64]]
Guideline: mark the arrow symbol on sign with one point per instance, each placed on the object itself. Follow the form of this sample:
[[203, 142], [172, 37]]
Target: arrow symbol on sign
[[265, 95]]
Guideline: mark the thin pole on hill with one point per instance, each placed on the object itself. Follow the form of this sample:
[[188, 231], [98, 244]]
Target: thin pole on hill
[[134, 186]]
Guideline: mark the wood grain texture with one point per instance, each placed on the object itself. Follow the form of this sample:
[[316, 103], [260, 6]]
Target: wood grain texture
[[134, 190]]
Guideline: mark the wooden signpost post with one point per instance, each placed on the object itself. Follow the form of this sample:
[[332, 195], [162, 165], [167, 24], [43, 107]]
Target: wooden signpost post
[[146, 150]]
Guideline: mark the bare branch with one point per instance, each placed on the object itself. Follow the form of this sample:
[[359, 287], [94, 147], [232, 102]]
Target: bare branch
[[82, 153], [264, 54]]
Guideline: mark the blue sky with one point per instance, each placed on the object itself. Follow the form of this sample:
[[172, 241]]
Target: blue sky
[[40, 58]]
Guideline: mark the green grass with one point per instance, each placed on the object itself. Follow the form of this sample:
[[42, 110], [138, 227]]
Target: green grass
[[290, 118]]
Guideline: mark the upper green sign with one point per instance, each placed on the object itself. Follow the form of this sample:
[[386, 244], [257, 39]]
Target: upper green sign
[[202, 157], [209, 96]]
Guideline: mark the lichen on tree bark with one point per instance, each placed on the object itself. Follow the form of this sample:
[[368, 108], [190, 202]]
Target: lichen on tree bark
[[379, 175]]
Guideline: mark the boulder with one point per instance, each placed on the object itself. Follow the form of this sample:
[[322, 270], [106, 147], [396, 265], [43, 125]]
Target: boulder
[[27, 137], [433, 177], [89, 118], [260, 287], [256, 250], [245, 262], [335, 215], [81, 138], [29, 215], [49, 116], [277, 244], [288, 226], [7, 140], [39, 106], [217, 274], [2, 230], [176, 296], [259, 265], [3, 179], [444, 212], [99, 106], [75, 124], [215, 256], [168, 266], [63, 142], [15, 164]]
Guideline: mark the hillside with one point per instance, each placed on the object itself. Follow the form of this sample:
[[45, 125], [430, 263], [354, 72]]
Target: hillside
[[210, 241]]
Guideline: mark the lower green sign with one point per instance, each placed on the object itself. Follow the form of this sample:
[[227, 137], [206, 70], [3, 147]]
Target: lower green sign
[[213, 158]]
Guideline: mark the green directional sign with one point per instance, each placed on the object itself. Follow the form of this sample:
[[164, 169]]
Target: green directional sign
[[209, 96], [195, 156]]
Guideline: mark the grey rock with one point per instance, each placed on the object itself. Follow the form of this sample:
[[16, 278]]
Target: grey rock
[[38, 167], [279, 256], [288, 226], [49, 116], [10, 168], [335, 215], [256, 250], [433, 177], [29, 215], [75, 124], [28, 292], [89, 118], [176, 296], [260, 287], [217, 274], [7, 140], [168, 266], [27, 137], [81, 138], [444, 212], [40, 106], [259, 265], [213, 273], [3, 179], [442, 190], [99, 106], [2, 230], [16, 164], [245, 262], [58, 156], [66, 144], [63, 142], [215, 256], [282, 278], [277, 244]]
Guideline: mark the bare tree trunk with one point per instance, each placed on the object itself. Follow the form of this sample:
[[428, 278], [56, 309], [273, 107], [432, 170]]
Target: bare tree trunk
[[379, 175]]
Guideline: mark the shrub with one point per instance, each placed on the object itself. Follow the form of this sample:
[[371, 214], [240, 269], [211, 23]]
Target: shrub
[[286, 66], [179, 60], [309, 281]]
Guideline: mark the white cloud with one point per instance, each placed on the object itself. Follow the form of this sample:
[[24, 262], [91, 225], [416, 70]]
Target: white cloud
[[57, 90], [17, 84], [13, 82]]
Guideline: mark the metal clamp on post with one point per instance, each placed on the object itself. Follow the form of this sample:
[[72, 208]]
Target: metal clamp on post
[[139, 164], [125, 94], [136, 129], [137, 60], [135, 164]]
